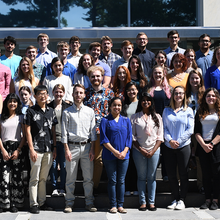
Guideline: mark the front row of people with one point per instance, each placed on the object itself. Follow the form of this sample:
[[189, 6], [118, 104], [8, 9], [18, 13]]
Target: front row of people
[[75, 137]]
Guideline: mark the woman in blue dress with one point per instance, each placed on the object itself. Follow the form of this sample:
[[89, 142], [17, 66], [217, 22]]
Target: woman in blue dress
[[116, 139]]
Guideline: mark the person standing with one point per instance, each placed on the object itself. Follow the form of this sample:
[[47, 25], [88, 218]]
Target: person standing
[[40, 121], [146, 56], [9, 59], [44, 55], [74, 56], [173, 38], [204, 54], [107, 56], [97, 98], [79, 136]]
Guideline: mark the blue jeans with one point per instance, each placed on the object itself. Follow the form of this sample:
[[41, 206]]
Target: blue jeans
[[146, 170], [60, 159], [116, 171]]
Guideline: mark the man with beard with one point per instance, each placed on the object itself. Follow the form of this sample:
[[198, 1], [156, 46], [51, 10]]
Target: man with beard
[[44, 55], [9, 59], [146, 56], [173, 38], [74, 55], [95, 51], [107, 56], [204, 55], [97, 98], [79, 136]]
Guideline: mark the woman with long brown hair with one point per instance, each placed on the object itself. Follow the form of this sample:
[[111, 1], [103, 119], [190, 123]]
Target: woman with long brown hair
[[207, 129]]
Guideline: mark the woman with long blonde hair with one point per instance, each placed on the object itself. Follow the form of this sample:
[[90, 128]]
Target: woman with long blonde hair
[[25, 78]]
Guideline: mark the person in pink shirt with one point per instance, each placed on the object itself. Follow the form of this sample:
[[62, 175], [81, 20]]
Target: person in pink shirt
[[5, 79]]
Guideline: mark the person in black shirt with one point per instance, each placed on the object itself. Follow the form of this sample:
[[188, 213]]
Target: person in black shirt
[[40, 121]]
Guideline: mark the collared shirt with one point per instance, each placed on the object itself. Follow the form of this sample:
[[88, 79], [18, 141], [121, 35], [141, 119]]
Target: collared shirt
[[178, 126], [46, 57], [145, 131], [147, 59], [118, 134], [41, 123], [5, 79], [111, 58], [12, 63], [212, 78], [105, 67], [74, 60], [204, 62], [98, 101], [78, 125], [117, 63], [170, 53], [39, 71], [68, 70]]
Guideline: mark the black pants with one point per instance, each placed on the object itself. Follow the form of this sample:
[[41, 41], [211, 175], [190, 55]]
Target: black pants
[[177, 158], [210, 175]]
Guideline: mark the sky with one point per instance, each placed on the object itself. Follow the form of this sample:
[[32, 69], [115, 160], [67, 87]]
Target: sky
[[78, 13]]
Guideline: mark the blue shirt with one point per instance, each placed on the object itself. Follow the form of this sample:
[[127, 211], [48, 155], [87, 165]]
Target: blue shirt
[[118, 134], [212, 78], [12, 63], [105, 67], [45, 58], [68, 70], [204, 62], [178, 126]]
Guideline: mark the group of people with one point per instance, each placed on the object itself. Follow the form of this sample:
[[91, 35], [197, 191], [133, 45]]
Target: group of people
[[99, 108]]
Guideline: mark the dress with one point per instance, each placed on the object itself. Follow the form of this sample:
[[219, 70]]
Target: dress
[[146, 133], [119, 135], [11, 189]]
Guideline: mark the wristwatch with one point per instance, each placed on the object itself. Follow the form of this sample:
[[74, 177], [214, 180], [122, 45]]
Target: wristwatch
[[212, 143]]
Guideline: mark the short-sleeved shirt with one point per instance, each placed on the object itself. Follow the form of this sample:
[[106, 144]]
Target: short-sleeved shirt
[[12, 63], [98, 101], [204, 62], [105, 67], [147, 59], [117, 63], [118, 134], [74, 60], [41, 123], [112, 57], [39, 71]]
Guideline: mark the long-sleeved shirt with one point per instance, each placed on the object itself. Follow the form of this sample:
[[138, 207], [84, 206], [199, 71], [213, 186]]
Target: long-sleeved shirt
[[118, 134], [145, 131], [78, 125], [178, 126]]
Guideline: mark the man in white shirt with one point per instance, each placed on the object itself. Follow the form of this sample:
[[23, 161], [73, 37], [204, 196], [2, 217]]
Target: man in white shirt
[[74, 55]]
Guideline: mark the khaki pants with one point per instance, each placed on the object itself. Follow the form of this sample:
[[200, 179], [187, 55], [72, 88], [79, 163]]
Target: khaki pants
[[38, 177], [98, 164]]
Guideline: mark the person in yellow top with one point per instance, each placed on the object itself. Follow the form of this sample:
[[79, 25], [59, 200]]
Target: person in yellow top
[[178, 76]]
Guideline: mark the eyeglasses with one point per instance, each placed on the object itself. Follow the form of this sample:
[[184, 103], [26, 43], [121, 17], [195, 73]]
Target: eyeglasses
[[178, 93], [204, 41]]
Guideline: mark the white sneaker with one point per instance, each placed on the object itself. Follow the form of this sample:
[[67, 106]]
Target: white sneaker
[[135, 193], [173, 205], [180, 205], [127, 193], [62, 193], [55, 193]]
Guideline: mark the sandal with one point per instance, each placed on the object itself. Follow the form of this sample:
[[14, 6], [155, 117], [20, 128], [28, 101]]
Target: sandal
[[122, 210], [113, 210]]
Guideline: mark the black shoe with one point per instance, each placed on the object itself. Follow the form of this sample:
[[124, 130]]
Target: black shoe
[[152, 208], [13, 209], [35, 209], [205, 205], [214, 205], [45, 207], [142, 209]]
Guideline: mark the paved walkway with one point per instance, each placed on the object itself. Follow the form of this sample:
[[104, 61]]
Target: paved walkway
[[133, 214]]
